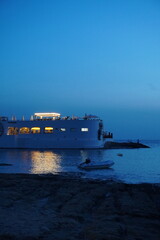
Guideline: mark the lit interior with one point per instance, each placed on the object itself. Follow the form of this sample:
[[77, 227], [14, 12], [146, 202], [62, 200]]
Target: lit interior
[[48, 129], [35, 130], [12, 131], [44, 115], [84, 129], [24, 130], [62, 129]]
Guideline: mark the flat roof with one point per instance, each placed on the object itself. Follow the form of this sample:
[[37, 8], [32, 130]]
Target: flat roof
[[47, 114]]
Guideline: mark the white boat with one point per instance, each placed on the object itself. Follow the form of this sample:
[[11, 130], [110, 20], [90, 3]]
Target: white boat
[[96, 165], [50, 131]]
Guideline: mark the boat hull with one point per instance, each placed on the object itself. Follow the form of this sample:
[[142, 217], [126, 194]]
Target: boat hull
[[73, 137], [47, 143], [93, 166]]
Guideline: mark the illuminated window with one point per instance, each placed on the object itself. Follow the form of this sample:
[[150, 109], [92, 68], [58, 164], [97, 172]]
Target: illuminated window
[[12, 131], [48, 130], [24, 130], [62, 129], [35, 130], [84, 129]]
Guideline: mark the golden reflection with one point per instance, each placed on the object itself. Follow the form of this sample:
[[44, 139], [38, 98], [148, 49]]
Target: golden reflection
[[45, 162]]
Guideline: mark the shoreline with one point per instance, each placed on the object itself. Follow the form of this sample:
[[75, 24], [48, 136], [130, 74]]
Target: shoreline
[[61, 207], [124, 145]]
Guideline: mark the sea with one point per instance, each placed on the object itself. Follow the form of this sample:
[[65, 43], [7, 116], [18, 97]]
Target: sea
[[130, 165]]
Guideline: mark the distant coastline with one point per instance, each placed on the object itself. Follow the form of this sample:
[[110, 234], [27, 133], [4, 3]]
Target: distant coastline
[[124, 145]]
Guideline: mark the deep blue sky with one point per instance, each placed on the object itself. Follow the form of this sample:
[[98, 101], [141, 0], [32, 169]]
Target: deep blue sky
[[83, 56]]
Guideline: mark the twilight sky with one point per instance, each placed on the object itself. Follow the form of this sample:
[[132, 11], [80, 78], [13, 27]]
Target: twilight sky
[[83, 56]]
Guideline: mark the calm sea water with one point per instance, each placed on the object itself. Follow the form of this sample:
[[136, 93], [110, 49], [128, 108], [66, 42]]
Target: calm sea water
[[135, 166]]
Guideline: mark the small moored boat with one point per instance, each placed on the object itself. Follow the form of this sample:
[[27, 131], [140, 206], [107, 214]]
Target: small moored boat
[[120, 154], [96, 165]]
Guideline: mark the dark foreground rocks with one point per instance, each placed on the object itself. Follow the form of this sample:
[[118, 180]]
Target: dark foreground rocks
[[124, 145], [52, 207]]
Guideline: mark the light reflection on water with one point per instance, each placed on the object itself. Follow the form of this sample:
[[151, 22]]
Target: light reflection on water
[[136, 165], [45, 162]]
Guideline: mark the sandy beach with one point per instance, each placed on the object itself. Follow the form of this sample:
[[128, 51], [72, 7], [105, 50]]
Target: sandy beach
[[47, 207]]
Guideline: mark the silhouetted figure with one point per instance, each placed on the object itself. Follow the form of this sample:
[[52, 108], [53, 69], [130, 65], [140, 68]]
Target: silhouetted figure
[[87, 160]]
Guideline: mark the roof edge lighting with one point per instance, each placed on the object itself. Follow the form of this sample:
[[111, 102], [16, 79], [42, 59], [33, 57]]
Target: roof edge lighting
[[49, 114]]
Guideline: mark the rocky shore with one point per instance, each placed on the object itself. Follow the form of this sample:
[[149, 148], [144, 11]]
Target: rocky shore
[[48, 207], [124, 145]]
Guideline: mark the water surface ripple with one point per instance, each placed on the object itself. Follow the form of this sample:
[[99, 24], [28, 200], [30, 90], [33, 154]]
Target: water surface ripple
[[135, 166]]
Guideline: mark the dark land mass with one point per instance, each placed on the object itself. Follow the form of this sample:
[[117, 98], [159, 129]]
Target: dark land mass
[[48, 207], [5, 164], [123, 145]]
